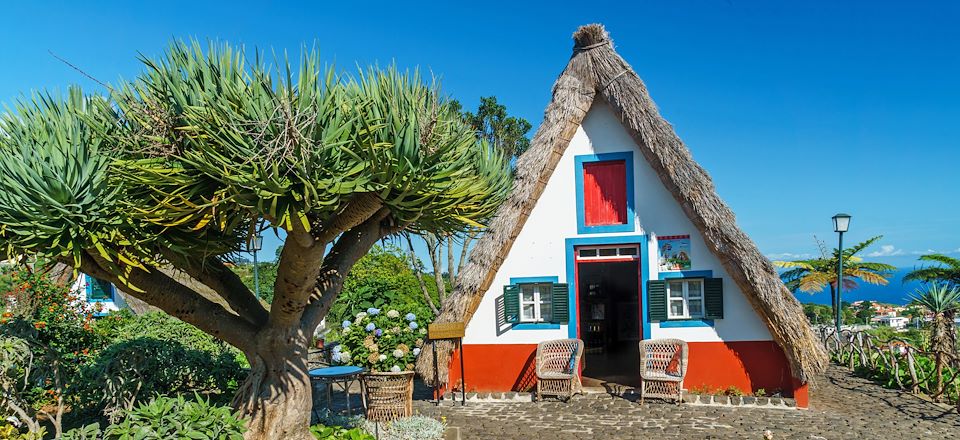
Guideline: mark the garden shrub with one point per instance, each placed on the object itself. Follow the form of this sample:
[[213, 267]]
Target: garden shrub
[[381, 279], [388, 341], [167, 418], [408, 428], [129, 370], [334, 432]]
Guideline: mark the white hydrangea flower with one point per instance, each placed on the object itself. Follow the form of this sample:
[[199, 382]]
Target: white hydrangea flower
[[398, 353], [361, 315], [393, 314], [382, 357], [395, 369]]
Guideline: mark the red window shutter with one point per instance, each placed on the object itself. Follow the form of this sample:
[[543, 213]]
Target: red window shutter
[[605, 193]]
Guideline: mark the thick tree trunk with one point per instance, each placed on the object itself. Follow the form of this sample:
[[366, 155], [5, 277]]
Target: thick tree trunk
[[277, 397]]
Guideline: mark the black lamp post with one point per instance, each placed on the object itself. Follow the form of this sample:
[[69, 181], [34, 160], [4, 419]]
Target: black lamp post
[[841, 223], [255, 244]]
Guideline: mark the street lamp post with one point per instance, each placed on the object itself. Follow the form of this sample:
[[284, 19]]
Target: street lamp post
[[255, 244], [841, 223]]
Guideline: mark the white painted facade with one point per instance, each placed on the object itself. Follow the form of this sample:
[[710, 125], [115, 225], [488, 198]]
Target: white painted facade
[[79, 289], [540, 249]]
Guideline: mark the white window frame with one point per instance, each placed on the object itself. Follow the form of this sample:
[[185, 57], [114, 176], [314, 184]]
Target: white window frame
[[685, 298], [618, 252], [537, 301]]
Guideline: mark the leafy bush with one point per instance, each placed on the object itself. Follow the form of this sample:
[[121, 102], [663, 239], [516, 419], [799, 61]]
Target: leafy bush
[[169, 417], [408, 428], [128, 370], [10, 432], [381, 278], [324, 432], [387, 341]]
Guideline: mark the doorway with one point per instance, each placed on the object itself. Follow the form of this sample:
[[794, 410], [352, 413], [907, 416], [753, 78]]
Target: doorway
[[608, 299]]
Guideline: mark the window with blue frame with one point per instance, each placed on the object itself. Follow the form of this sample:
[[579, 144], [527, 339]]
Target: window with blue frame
[[604, 192], [99, 290], [534, 303]]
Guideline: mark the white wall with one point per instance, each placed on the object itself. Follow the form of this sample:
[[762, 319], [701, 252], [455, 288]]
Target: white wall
[[540, 247], [80, 289]]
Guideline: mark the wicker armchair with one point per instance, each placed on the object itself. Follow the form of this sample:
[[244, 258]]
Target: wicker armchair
[[388, 396], [558, 368], [663, 365]]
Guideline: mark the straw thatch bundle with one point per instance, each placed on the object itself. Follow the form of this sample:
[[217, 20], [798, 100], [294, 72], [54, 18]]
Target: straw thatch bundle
[[596, 71]]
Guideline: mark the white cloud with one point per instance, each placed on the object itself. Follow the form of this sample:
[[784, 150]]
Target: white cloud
[[887, 250], [933, 251], [789, 256]]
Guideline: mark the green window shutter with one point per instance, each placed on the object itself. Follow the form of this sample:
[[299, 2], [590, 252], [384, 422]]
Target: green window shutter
[[561, 304], [713, 298], [657, 300], [511, 303]]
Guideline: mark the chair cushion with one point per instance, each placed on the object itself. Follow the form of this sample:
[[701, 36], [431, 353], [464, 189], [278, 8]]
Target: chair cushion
[[673, 368]]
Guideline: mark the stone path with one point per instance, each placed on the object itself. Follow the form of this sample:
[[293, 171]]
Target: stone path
[[842, 407]]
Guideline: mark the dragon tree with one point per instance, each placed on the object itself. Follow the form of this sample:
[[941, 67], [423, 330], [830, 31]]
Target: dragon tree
[[166, 177]]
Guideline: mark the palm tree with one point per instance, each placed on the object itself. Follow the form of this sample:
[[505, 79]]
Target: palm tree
[[815, 274], [942, 300], [948, 270]]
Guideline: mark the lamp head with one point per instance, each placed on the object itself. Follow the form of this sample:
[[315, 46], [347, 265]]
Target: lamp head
[[841, 222]]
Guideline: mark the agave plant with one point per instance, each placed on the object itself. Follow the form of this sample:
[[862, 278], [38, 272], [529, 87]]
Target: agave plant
[[170, 174], [943, 301]]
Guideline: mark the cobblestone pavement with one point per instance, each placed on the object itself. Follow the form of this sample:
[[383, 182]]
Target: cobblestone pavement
[[842, 407]]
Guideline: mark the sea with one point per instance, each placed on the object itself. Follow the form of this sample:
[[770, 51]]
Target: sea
[[896, 292]]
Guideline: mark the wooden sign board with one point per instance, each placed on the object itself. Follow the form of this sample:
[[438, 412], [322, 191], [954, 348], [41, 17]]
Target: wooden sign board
[[445, 330]]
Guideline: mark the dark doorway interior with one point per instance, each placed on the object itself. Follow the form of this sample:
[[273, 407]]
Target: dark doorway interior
[[609, 319]]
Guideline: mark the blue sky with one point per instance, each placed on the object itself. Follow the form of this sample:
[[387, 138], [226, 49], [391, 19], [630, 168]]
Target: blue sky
[[798, 110]]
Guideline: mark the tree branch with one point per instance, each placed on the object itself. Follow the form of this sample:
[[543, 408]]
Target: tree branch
[[160, 290], [214, 274], [350, 247]]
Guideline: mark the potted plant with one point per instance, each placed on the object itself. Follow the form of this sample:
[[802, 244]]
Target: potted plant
[[386, 344]]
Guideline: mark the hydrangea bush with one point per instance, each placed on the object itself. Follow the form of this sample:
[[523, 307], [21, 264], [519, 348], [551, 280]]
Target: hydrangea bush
[[381, 342]]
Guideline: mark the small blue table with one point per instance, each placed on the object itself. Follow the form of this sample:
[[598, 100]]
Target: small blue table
[[344, 375]]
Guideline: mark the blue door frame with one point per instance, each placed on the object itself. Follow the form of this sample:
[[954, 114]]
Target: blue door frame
[[571, 276]]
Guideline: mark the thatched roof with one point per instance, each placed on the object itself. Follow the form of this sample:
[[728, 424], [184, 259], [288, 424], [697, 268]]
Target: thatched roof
[[596, 71]]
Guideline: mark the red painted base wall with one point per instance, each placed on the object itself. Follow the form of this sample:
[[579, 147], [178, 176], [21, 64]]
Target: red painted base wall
[[747, 365]]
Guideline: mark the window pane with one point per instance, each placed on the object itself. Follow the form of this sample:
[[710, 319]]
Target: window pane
[[588, 252], [608, 252], [100, 289], [696, 307], [676, 289], [676, 308], [527, 314], [628, 251], [526, 292], [696, 288]]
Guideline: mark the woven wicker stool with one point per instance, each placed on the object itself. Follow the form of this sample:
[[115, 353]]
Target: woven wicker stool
[[388, 396], [663, 365], [558, 368]]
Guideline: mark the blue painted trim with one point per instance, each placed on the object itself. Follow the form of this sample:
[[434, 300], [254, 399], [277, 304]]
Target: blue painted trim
[[89, 291], [644, 253], [523, 280], [535, 326], [627, 157], [687, 274], [687, 323]]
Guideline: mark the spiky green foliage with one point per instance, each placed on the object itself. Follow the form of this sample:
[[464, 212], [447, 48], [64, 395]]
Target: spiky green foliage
[[815, 274], [201, 147], [155, 187], [947, 270]]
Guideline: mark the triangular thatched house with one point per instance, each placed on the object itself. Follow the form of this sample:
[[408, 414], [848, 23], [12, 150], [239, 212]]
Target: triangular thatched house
[[613, 234]]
